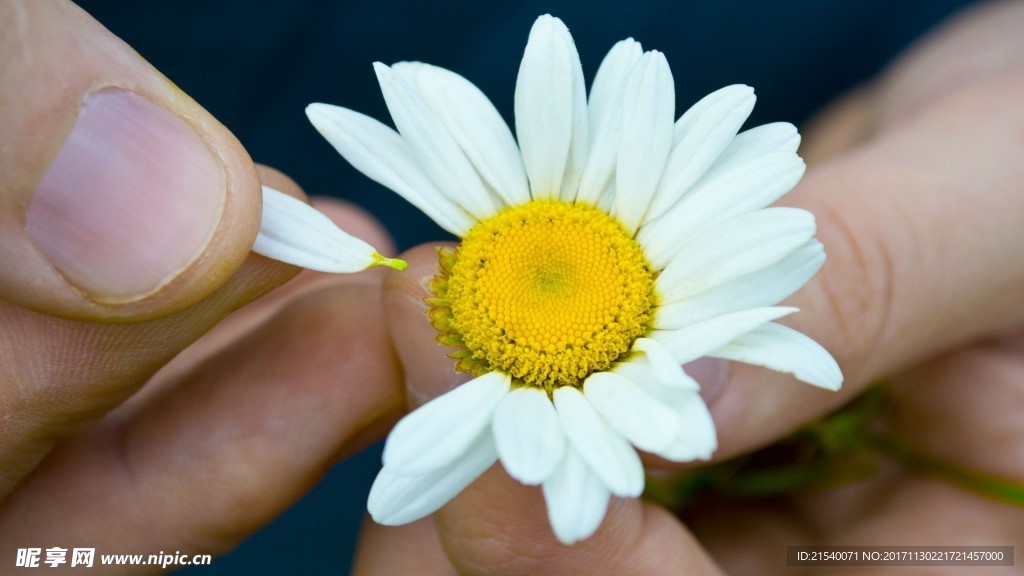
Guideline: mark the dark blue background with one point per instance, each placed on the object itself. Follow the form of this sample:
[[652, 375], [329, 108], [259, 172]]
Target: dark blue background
[[256, 64]]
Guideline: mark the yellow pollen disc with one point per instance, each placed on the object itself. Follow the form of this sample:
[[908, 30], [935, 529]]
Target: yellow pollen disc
[[547, 291]]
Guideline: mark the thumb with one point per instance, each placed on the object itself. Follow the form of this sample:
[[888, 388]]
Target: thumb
[[122, 202], [120, 197]]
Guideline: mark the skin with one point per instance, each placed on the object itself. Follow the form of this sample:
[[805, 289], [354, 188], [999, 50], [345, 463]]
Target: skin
[[190, 418], [177, 421]]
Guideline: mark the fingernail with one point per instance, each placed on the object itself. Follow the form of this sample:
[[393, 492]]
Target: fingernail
[[710, 373], [130, 200]]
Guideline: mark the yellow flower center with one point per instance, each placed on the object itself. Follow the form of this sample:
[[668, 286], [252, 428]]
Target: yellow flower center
[[549, 292]]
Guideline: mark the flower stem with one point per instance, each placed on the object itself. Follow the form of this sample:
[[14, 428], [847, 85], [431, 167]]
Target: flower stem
[[839, 449], [986, 484]]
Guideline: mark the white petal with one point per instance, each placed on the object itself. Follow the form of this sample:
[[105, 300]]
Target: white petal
[[764, 139], [580, 130], [440, 431], [604, 450], [644, 421], [744, 188], [688, 344], [638, 369], [397, 499], [606, 203], [294, 232], [697, 438], [763, 288], [476, 125], [544, 106], [528, 435], [576, 499], [436, 149], [741, 245], [715, 105], [785, 350], [380, 153], [700, 136], [605, 118], [664, 366], [648, 108]]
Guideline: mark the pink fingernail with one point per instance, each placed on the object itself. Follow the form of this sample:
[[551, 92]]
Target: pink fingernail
[[132, 197]]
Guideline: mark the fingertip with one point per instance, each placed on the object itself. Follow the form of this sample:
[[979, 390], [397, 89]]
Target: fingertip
[[421, 551], [414, 281], [498, 526], [429, 372]]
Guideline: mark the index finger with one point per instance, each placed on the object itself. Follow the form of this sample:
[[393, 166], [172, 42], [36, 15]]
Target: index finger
[[922, 230]]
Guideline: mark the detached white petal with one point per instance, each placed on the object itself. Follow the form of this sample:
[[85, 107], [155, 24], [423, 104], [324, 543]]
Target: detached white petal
[[605, 119], [700, 136], [736, 247], [785, 350], [380, 153], [528, 436], [604, 450], [397, 499], [646, 423], [434, 146], [576, 499], [440, 431], [294, 232], [648, 107], [477, 126], [544, 106], [688, 344]]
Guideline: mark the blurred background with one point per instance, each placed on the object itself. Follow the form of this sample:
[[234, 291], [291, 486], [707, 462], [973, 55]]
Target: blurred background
[[256, 64]]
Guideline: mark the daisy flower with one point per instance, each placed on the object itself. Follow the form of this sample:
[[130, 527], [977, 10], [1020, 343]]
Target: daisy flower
[[605, 247]]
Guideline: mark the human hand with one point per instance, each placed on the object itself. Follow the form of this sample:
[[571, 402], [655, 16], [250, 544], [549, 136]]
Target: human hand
[[123, 427], [914, 184]]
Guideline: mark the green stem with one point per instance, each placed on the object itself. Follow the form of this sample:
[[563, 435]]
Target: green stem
[[983, 483], [841, 448]]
